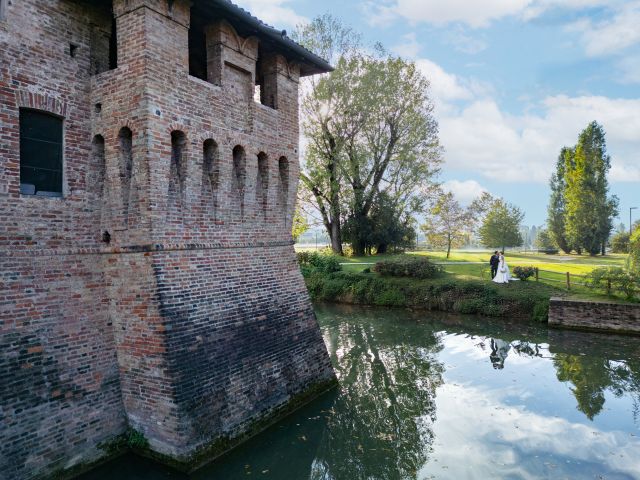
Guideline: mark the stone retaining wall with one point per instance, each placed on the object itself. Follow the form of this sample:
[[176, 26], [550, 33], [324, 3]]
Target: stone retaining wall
[[621, 317]]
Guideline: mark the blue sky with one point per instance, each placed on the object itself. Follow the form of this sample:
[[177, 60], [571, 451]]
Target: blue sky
[[512, 80]]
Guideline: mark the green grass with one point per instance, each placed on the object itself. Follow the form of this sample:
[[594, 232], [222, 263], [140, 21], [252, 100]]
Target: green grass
[[553, 268]]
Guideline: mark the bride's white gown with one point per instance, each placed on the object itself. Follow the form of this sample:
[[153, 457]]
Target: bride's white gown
[[503, 275]]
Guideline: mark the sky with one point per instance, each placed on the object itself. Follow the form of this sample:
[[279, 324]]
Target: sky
[[513, 81]]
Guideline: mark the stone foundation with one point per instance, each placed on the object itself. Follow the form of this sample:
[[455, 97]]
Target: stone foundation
[[616, 317]]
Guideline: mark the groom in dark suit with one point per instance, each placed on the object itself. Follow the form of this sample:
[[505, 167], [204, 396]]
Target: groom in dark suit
[[494, 262]]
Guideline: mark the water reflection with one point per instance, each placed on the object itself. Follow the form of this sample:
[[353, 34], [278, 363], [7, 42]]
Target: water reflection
[[434, 396], [380, 425]]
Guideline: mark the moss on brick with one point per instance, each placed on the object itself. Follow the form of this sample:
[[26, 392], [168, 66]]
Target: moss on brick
[[212, 450]]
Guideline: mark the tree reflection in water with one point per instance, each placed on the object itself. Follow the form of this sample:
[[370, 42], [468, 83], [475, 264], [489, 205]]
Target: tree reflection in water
[[583, 359], [594, 374], [380, 426], [379, 423]]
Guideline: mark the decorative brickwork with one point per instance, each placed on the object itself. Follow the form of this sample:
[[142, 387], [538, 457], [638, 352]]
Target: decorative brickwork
[[161, 291], [618, 317]]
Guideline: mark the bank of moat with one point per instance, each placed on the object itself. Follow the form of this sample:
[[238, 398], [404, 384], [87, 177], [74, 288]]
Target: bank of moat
[[145, 146]]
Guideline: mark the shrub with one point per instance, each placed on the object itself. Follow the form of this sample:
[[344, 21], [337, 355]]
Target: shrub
[[318, 262], [620, 242], [619, 279], [414, 267], [524, 273], [540, 311], [634, 251], [464, 296]]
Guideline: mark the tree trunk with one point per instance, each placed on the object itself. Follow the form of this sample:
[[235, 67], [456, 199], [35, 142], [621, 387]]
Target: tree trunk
[[359, 241], [336, 238], [359, 247], [448, 249]]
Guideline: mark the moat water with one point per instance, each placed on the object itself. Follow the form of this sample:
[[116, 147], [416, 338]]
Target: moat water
[[436, 396]]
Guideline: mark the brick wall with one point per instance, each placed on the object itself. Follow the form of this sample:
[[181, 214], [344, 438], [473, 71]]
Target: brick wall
[[59, 381], [192, 322], [594, 315]]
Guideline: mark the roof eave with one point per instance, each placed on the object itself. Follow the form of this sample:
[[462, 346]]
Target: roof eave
[[310, 63]]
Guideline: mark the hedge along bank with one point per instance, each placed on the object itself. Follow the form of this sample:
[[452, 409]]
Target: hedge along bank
[[417, 283]]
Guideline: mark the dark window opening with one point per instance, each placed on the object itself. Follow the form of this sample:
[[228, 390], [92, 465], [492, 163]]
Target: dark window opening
[[283, 168], [239, 176], [73, 50], [211, 176], [178, 160], [265, 89], [125, 165], [262, 183], [95, 182], [104, 43], [113, 45], [197, 49], [40, 153]]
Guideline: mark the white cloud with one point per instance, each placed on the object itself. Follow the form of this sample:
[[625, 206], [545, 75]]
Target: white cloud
[[409, 48], [483, 139], [480, 428], [447, 88], [273, 12], [479, 137], [613, 35], [470, 12], [464, 191], [463, 42], [629, 69]]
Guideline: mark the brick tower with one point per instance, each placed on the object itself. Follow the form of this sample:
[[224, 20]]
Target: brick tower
[[148, 175]]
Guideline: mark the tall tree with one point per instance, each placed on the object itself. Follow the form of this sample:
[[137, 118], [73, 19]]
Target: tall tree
[[370, 129], [589, 208], [545, 241], [501, 225], [322, 174], [300, 223], [384, 228], [447, 224], [395, 147], [556, 212]]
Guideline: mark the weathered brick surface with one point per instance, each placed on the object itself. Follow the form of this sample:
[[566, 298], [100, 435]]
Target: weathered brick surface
[[193, 322], [594, 315]]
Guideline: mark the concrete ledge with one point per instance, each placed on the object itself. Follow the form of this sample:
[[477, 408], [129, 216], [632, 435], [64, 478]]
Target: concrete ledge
[[596, 316]]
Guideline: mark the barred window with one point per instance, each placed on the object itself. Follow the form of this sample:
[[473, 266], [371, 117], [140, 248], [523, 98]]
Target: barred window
[[40, 153]]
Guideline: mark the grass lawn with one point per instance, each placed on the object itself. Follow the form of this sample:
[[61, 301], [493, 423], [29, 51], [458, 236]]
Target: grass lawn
[[474, 265]]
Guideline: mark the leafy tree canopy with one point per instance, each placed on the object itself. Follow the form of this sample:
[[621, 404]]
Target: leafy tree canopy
[[501, 225]]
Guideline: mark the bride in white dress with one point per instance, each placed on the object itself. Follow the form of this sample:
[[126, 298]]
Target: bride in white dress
[[503, 275]]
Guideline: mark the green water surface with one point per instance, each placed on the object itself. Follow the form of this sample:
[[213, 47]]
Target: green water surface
[[436, 396]]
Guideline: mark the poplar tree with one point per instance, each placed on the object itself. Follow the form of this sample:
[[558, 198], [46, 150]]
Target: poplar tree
[[589, 209], [556, 220]]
